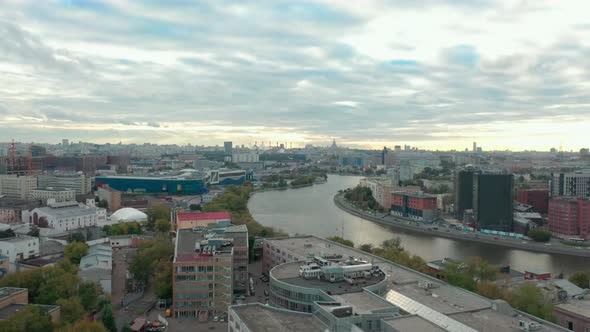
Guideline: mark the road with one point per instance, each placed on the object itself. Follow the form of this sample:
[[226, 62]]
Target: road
[[554, 247]]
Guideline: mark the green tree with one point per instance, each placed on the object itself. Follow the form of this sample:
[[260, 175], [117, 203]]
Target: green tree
[[71, 309], [77, 237], [195, 207], [456, 275], [162, 225], [31, 319], [529, 298], [581, 279], [107, 318], [489, 290], [366, 247], [103, 204], [155, 212], [341, 241], [481, 270], [82, 326], [88, 295], [74, 251], [539, 234], [163, 279]]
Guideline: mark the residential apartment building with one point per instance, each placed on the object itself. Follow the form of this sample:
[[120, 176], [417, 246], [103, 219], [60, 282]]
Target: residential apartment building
[[15, 186], [418, 205], [492, 201], [570, 184], [111, 196], [537, 198], [81, 183], [58, 195], [569, 217], [67, 216], [202, 275]]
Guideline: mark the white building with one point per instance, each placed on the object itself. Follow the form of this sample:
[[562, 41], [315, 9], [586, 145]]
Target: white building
[[245, 157], [66, 216], [17, 186], [78, 182], [59, 195], [19, 247], [97, 266], [570, 184]]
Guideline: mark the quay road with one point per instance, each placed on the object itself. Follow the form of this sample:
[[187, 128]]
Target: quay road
[[553, 247]]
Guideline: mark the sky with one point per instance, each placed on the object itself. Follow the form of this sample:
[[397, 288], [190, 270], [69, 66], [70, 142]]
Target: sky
[[371, 73]]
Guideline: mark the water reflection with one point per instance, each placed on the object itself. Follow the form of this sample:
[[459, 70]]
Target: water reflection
[[311, 211]]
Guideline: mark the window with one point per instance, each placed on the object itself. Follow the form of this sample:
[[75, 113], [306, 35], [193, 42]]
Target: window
[[570, 325]]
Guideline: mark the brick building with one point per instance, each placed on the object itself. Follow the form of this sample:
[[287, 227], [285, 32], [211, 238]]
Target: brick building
[[569, 217], [538, 198], [417, 206]]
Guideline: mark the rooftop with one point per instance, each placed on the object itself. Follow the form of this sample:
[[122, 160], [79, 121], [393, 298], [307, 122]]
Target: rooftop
[[10, 310], [187, 249], [580, 307], [412, 323], [363, 302], [202, 215], [8, 291], [68, 209], [18, 238], [262, 318]]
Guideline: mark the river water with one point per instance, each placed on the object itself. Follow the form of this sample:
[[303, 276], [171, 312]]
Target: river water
[[311, 211]]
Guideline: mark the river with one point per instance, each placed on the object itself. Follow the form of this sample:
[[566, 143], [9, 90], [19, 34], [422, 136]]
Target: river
[[311, 211]]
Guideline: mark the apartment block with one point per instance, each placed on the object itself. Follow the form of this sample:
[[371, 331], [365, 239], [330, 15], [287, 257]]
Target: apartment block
[[16, 186], [570, 184], [569, 217], [81, 183]]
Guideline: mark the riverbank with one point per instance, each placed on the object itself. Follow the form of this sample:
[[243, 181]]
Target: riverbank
[[415, 227]]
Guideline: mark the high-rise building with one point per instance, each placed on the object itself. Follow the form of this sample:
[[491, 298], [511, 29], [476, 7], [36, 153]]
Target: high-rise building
[[65, 142], [474, 146], [383, 154], [15, 186], [463, 192], [228, 147], [570, 184], [82, 184], [492, 201], [569, 217]]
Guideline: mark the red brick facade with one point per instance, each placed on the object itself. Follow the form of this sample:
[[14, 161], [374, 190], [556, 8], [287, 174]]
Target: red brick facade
[[538, 198]]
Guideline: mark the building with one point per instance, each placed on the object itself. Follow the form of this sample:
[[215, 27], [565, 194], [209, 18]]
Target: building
[[574, 315], [67, 216], [351, 161], [492, 201], [248, 156], [164, 185], [128, 215], [11, 209], [256, 317], [111, 196], [538, 198], [14, 300], [97, 266], [569, 217], [463, 192], [570, 184], [227, 177], [81, 183], [422, 303], [228, 147], [182, 219], [202, 274], [58, 195], [17, 186], [418, 206], [19, 248], [241, 277]]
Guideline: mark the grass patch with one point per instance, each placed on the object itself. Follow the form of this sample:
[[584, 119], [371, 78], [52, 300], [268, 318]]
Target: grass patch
[[575, 244]]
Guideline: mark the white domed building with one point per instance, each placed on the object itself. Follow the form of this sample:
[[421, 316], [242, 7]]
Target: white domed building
[[128, 215]]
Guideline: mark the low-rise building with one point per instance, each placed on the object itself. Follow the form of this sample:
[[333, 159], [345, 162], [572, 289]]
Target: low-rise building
[[19, 247], [67, 216], [418, 206], [14, 300], [111, 196], [538, 198], [58, 195], [569, 217], [97, 266], [12, 209], [574, 315], [183, 219]]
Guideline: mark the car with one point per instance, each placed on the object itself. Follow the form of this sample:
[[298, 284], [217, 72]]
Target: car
[[216, 319], [524, 242], [547, 244], [496, 238]]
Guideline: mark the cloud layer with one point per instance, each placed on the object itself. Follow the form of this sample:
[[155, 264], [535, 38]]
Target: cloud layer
[[435, 74]]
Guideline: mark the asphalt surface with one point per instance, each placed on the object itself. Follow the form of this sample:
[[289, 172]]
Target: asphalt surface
[[554, 247]]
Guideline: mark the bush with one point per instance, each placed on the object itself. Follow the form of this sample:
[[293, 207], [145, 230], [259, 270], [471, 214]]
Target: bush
[[539, 235]]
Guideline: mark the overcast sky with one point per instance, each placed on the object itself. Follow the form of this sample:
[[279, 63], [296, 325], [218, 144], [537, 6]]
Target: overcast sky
[[433, 74]]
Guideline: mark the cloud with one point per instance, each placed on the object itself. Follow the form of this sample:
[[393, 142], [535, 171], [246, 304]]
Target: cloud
[[308, 71]]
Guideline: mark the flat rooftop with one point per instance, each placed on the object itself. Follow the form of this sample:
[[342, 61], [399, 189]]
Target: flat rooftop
[[289, 273], [262, 318], [364, 302], [8, 291], [490, 320], [580, 307], [10, 310], [186, 240], [412, 323]]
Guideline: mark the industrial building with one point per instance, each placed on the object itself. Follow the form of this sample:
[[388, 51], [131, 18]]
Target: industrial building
[[569, 217], [492, 201], [570, 184], [81, 183], [165, 185], [19, 248], [308, 275], [227, 177], [97, 266], [67, 216], [204, 268]]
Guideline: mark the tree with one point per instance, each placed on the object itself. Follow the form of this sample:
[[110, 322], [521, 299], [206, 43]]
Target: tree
[[31, 319], [83, 326], [481, 270], [341, 241], [71, 309], [126, 328], [163, 279], [108, 320], [366, 247], [77, 237], [529, 298], [456, 275], [103, 204], [162, 225], [539, 234], [74, 251], [581, 279], [88, 295], [489, 290], [155, 212], [195, 207]]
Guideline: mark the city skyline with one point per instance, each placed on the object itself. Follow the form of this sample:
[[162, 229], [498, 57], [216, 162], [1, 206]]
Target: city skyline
[[436, 75]]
